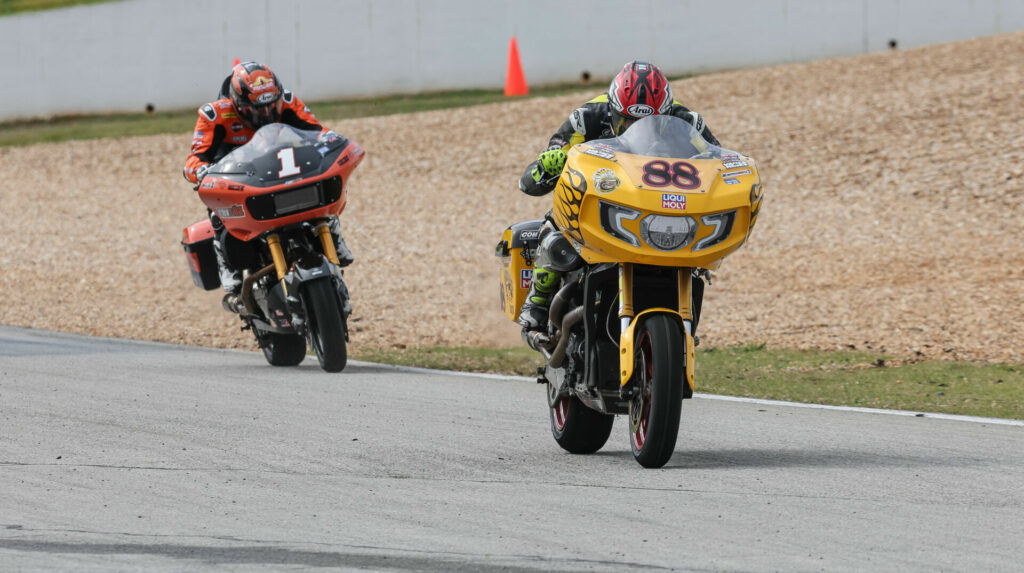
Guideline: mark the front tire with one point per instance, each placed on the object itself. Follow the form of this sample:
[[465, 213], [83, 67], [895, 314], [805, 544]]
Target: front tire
[[325, 325], [659, 377], [578, 429], [283, 349]]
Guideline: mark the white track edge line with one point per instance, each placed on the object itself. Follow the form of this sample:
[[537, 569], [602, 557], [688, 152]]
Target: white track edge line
[[908, 413]]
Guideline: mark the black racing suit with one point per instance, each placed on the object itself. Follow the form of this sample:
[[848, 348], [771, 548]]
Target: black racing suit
[[586, 123]]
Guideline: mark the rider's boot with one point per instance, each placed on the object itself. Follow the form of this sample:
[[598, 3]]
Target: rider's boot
[[345, 257], [533, 316], [230, 279]]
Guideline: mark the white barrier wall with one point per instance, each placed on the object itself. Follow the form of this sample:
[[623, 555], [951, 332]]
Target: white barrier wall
[[127, 54]]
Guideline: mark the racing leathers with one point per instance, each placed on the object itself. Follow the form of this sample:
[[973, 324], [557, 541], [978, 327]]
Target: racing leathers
[[218, 131], [591, 121]]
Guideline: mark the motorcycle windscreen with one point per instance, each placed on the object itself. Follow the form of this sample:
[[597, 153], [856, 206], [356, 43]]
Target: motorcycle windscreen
[[278, 152], [664, 136]]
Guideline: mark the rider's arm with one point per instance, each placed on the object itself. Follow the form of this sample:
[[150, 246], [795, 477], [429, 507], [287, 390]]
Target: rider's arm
[[694, 119], [535, 181], [296, 114], [206, 139]]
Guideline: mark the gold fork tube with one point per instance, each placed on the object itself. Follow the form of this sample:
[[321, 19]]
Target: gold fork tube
[[277, 253], [685, 285], [625, 294], [324, 230]]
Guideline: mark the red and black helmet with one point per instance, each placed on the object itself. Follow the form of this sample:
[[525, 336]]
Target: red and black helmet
[[256, 94], [639, 90]]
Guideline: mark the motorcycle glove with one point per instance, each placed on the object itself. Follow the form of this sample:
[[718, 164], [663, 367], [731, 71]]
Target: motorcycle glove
[[552, 161], [201, 172]]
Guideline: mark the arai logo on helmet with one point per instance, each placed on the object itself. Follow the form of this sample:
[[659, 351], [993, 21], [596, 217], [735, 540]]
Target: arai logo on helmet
[[640, 110], [265, 98]]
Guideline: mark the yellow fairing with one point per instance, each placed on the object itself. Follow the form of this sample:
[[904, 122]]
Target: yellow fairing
[[710, 188], [627, 338], [516, 274]]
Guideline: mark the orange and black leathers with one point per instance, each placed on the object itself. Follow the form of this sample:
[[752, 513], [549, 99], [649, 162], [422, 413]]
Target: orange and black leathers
[[589, 122], [219, 129]]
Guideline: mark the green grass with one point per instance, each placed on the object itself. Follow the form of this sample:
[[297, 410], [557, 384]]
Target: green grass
[[8, 7], [65, 128], [836, 378]]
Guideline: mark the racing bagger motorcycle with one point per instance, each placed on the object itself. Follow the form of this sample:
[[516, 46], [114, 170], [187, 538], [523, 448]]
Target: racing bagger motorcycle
[[642, 213], [273, 195]]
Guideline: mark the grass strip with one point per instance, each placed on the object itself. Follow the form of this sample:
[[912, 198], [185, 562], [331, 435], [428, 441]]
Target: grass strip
[[9, 7], [73, 127], [834, 378]]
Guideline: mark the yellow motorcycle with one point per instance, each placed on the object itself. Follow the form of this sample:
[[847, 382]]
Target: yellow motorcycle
[[645, 212]]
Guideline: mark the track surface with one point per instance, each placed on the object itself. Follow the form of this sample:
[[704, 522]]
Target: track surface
[[119, 455]]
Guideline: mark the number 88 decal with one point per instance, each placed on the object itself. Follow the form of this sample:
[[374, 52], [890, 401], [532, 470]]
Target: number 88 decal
[[683, 175]]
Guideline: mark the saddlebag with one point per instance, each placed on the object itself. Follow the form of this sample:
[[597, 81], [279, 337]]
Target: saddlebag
[[517, 249], [197, 241]]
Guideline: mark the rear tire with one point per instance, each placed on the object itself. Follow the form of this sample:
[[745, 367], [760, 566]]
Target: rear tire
[[326, 328], [283, 349], [578, 429], [659, 377]]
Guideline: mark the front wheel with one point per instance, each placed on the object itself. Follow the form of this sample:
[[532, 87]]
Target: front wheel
[[578, 429], [325, 325], [659, 377]]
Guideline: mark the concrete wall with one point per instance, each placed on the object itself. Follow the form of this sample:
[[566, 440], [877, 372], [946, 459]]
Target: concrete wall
[[173, 54]]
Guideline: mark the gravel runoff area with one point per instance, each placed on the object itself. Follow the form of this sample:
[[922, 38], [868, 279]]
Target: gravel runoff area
[[895, 190]]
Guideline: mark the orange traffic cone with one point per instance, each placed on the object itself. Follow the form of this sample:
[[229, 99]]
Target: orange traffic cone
[[515, 81]]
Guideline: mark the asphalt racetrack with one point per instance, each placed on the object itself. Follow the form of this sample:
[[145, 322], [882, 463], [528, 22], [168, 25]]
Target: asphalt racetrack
[[121, 455]]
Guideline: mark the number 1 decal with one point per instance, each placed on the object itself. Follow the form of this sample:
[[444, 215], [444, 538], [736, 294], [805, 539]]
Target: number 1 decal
[[288, 167]]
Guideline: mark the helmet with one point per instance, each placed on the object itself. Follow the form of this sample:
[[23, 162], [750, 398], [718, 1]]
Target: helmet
[[639, 90], [256, 93]]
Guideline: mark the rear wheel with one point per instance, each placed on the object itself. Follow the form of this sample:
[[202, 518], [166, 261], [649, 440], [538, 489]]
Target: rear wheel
[[655, 408], [326, 329], [578, 429], [283, 349]]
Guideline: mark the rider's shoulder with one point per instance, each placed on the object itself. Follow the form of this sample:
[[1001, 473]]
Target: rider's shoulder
[[218, 111], [589, 118]]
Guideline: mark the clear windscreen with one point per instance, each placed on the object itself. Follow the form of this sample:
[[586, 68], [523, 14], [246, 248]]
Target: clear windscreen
[[664, 136], [269, 138]]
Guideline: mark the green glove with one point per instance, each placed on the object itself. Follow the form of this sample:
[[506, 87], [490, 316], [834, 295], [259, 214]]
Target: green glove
[[551, 163]]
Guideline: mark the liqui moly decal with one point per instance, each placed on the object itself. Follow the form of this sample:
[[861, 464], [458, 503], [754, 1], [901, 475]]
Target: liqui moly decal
[[673, 201]]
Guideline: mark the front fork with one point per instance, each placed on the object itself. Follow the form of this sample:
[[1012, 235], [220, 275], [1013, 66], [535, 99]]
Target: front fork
[[629, 320]]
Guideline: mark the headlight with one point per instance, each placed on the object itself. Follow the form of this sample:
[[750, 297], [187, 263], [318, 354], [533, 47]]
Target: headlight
[[668, 233], [722, 222], [605, 180], [612, 216]]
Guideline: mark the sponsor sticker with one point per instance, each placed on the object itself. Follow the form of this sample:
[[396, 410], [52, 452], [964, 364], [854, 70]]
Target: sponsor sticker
[[240, 139], [525, 278], [261, 84], [736, 173], [640, 110], [237, 126], [732, 181], [230, 115], [529, 235], [224, 105], [732, 164], [265, 98], [673, 201], [600, 153], [232, 212]]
